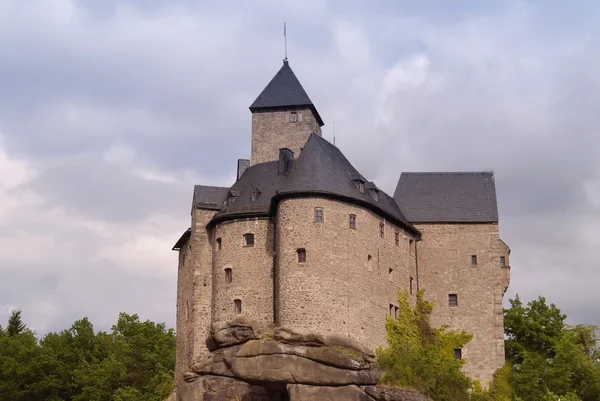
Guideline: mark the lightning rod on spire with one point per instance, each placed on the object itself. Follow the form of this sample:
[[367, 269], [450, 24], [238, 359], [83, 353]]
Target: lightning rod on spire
[[285, 40]]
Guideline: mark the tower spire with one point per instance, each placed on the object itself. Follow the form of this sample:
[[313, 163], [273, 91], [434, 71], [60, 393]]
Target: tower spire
[[285, 41]]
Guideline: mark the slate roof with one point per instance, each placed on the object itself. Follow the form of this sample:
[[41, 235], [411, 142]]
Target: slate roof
[[462, 197], [183, 239], [284, 91], [262, 177], [320, 170], [208, 197]]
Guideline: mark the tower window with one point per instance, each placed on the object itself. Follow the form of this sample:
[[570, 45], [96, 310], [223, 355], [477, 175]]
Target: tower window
[[473, 260], [411, 246], [255, 194], [397, 238], [381, 230], [452, 300], [294, 117], [228, 276], [375, 193], [503, 261], [411, 286], [361, 187], [301, 255], [394, 311], [352, 221], [369, 262], [238, 305], [458, 353], [391, 274], [248, 239], [219, 244], [318, 215]]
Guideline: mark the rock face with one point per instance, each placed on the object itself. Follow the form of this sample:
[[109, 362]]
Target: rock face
[[284, 366]]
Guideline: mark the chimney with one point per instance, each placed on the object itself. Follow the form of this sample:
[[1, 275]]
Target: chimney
[[286, 159], [243, 164]]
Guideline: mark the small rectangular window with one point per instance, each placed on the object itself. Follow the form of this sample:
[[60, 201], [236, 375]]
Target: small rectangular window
[[361, 187], [228, 276], [238, 305], [503, 261], [411, 247], [458, 353], [397, 238], [219, 244], [301, 255], [294, 117], [473, 259], [411, 286], [318, 215], [391, 310], [391, 274], [248, 239], [381, 230], [453, 300], [352, 221]]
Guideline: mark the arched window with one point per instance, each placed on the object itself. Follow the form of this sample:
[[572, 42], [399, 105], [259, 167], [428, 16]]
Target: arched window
[[248, 239], [238, 306], [228, 275]]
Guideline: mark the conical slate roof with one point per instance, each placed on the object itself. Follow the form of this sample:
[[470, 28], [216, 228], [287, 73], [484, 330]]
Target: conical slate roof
[[320, 170], [283, 91]]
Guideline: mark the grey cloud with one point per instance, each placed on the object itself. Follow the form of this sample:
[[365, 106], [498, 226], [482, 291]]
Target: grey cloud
[[507, 88]]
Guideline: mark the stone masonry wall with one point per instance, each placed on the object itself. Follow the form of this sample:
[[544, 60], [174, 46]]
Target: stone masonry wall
[[194, 281], [272, 130], [445, 267], [252, 271], [346, 286]]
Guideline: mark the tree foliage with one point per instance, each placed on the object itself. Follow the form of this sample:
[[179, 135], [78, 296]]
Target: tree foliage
[[421, 356], [135, 361], [550, 360], [15, 324]]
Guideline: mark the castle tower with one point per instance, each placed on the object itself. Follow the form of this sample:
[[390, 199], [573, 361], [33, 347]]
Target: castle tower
[[283, 116]]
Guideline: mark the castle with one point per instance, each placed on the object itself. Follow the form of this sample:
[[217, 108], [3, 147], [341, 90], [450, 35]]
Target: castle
[[302, 240]]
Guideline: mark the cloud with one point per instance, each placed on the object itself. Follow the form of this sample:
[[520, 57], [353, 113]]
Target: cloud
[[111, 111]]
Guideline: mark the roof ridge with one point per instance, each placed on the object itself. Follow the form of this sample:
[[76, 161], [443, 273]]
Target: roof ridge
[[489, 172]]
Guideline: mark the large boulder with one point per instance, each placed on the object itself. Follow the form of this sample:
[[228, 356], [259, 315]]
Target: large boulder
[[287, 368], [215, 388], [299, 392], [333, 356], [233, 332]]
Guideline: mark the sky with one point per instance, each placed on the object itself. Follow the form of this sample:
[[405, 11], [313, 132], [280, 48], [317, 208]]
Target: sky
[[111, 110]]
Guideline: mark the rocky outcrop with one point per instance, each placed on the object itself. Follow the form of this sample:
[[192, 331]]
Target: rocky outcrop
[[284, 364]]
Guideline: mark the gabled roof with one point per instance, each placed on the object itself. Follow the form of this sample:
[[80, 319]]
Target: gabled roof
[[208, 197], [465, 197], [284, 91]]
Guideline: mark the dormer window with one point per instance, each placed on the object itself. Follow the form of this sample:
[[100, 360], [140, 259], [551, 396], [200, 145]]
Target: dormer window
[[255, 194], [360, 184], [375, 193], [293, 116]]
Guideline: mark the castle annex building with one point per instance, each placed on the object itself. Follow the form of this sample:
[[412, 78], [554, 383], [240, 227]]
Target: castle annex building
[[302, 240]]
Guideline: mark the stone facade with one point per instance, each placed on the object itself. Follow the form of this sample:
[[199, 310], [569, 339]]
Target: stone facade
[[251, 271], [350, 277], [194, 294], [276, 129], [446, 267]]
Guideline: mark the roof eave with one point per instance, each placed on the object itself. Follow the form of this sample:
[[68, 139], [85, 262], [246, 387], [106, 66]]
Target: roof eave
[[275, 201], [182, 240], [291, 106]]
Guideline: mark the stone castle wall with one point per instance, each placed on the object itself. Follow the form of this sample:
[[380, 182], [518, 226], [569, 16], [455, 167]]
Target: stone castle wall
[[272, 130], [251, 268], [346, 286], [194, 282], [445, 267]]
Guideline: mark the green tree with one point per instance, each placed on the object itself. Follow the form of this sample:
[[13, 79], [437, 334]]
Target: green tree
[[534, 328], [15, 324], [422, 357]]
